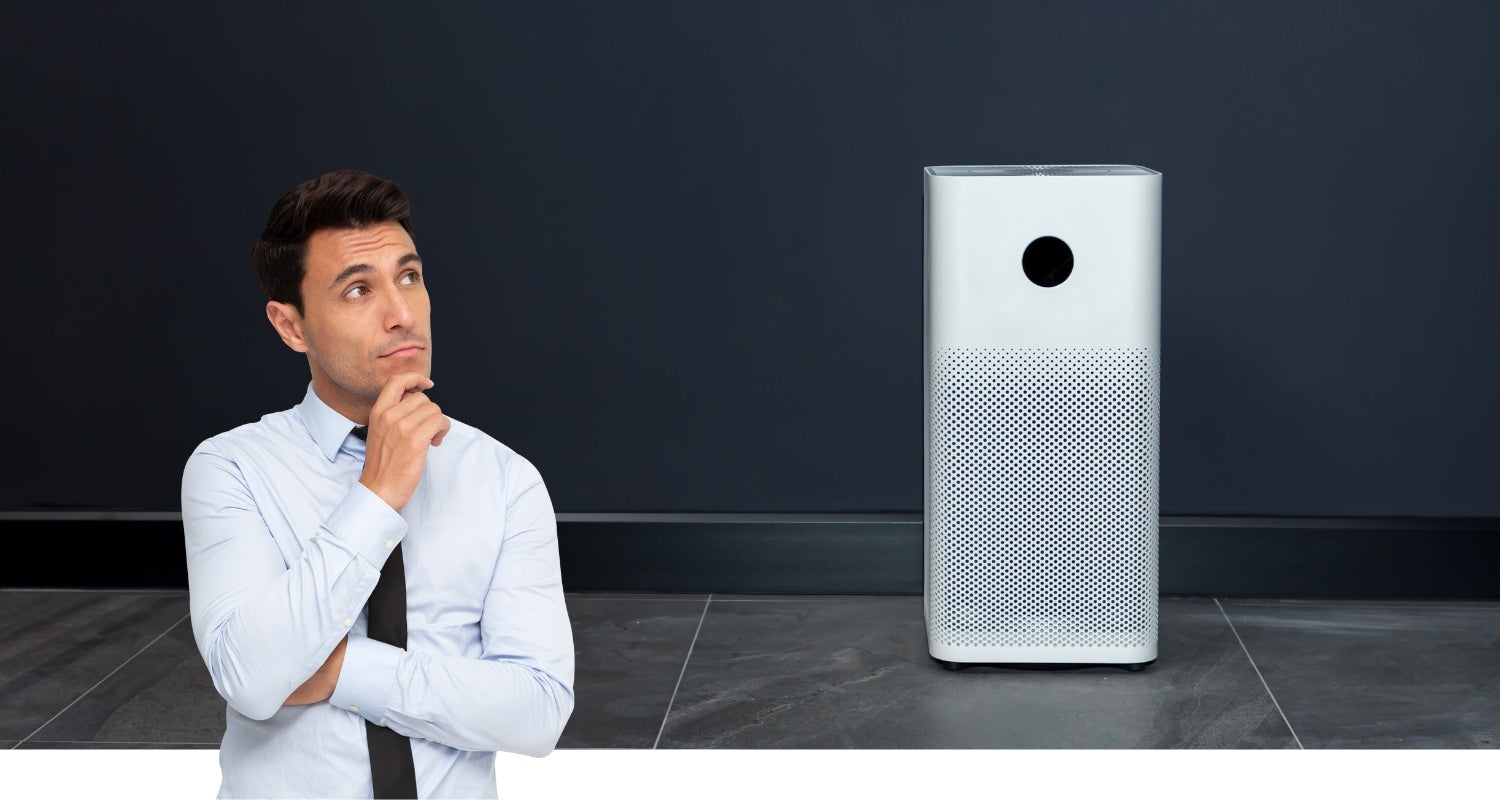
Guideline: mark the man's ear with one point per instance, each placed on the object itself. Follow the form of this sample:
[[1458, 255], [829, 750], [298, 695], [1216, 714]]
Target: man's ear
[[288, 323]]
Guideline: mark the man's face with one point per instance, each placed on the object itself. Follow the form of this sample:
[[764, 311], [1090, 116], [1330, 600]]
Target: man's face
[[365, 314]]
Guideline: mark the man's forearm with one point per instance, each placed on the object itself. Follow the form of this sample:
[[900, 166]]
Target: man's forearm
[[320, 686], [517, 696], [468, 703], [283, 634], [266, 627]]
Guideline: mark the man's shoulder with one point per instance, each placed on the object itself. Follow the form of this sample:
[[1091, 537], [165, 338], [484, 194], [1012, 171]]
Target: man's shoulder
[[471, 442], [277, 429]]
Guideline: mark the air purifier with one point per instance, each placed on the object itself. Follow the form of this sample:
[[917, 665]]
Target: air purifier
[[1043, 376]]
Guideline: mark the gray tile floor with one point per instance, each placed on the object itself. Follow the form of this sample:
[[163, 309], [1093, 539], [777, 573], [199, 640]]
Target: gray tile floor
[[119, 670]]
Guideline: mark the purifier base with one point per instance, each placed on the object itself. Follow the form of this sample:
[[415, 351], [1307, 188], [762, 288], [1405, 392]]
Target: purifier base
[[954, 666], [1111, 656]]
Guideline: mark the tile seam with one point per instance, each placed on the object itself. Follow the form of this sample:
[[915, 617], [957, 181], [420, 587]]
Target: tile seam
[[101, 681], [23, 589], [1258, 674], [91, 741], [1357, 605], [685, 660]]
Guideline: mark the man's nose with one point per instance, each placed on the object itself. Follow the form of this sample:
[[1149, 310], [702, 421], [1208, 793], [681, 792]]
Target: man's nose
[[398, 311]]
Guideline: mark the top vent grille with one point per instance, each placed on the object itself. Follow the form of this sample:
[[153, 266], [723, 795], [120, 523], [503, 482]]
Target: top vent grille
[[1042, 169]]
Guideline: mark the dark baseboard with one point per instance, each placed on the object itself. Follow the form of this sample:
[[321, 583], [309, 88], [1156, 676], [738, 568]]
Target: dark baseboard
[[1309, 557]]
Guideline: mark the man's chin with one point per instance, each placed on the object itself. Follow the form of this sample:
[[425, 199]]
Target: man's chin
[[389, 368]]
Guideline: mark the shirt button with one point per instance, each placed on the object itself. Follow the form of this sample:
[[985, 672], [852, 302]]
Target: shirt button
[[348, 622], [353, 708], [390, 544]]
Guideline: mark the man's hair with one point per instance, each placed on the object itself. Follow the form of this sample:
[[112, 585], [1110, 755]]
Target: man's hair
[[345, 198]]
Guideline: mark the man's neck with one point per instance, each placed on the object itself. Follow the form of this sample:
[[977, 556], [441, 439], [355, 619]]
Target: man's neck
[[354, 408]]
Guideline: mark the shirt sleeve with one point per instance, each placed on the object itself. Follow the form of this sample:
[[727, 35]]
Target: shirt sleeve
[[517, 696], [264, 625]]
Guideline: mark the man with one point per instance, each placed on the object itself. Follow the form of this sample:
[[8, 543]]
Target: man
[[292, 523]]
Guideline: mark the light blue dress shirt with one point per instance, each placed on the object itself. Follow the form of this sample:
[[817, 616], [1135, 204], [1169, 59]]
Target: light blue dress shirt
[[284, 546]]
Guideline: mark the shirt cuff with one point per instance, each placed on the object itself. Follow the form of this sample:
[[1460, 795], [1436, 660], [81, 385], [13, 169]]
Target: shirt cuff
[[367, 678], [367, 524]]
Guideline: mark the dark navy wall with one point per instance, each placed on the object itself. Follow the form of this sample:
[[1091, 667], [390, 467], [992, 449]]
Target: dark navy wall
[[675, 249]]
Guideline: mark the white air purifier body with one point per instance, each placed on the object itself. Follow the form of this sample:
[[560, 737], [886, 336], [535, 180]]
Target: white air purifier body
[[1042, 348]]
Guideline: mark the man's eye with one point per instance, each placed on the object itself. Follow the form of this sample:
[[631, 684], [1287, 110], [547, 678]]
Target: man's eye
[[414, 274], [357, 288]]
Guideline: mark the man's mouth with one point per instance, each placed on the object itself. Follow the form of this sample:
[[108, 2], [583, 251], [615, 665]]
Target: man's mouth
[[403, 352]]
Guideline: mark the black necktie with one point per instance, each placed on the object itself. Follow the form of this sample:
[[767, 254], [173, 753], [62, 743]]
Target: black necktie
[[391, 767]]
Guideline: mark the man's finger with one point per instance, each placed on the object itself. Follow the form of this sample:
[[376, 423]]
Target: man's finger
[[447, 424], [412, 407], [398, 387]]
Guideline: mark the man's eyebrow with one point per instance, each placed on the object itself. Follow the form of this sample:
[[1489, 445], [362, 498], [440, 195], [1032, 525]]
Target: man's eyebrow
[[358, 269], [349, 272]]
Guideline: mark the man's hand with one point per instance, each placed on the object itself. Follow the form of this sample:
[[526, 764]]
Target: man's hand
[[403, 422], [321, 685]]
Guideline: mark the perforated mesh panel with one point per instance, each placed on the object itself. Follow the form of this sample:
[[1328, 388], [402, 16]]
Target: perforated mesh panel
[[1044, 497]]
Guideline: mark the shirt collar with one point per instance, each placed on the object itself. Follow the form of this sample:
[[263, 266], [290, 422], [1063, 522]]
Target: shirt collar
[[329, 428]]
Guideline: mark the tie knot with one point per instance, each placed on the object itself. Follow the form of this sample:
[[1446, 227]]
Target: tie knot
[[360, 431]]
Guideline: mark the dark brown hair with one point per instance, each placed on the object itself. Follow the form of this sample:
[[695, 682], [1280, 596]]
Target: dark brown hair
[[345, 198]]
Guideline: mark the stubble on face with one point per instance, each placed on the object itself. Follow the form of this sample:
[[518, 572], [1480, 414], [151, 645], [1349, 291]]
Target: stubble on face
[[364, 297]]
